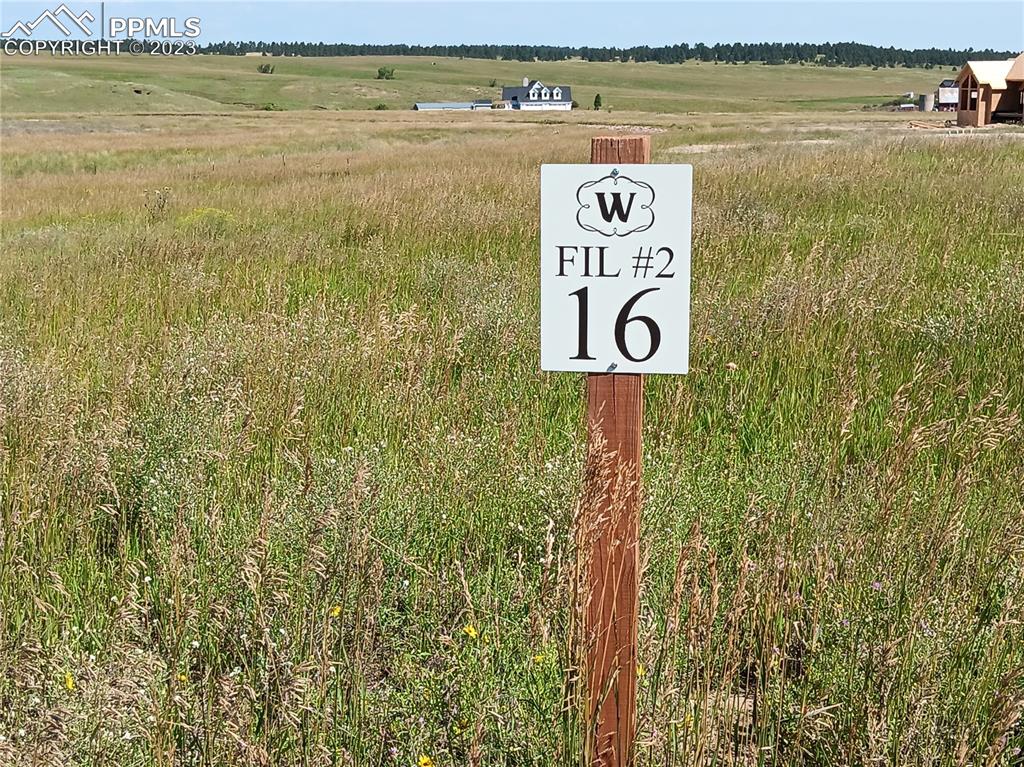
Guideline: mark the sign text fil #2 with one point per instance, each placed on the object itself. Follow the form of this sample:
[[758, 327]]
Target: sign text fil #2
[[615, 268]]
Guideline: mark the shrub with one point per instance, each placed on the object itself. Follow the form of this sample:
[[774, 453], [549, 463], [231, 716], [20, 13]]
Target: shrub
[[157, 202], [385, 73]]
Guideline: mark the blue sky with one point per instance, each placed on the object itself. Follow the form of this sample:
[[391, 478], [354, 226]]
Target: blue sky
[[923, 24]]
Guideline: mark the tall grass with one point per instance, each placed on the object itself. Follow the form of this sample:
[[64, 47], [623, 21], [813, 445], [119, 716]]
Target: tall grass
[[281, 483]]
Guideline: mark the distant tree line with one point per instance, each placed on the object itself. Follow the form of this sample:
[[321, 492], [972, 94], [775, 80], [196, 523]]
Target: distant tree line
[[822, 54]]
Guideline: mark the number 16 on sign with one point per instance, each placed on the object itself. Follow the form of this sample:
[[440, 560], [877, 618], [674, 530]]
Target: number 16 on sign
[[615, 268]]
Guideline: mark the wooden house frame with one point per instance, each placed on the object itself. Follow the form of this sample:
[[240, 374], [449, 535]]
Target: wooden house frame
[[991, 91]]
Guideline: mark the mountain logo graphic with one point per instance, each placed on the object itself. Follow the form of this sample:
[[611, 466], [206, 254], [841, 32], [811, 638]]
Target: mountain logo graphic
[[22, 28]]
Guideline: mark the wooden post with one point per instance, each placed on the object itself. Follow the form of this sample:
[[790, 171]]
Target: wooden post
[[614, 424]]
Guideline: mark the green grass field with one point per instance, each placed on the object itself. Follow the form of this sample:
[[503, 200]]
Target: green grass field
[[281, 482], [219, 83]]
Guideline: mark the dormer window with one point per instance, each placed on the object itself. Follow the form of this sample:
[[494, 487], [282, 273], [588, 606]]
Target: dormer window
[[533, 95], [545, 94], [556, 94]]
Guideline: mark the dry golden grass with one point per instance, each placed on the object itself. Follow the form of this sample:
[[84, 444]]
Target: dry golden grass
[[281, 483]]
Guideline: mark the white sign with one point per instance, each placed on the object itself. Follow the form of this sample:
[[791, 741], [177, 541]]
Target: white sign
[[615, 268]]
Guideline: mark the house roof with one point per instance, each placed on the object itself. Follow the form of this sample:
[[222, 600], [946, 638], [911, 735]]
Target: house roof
[[988, 72], [1017, 70], [947, 84], [522, 93]]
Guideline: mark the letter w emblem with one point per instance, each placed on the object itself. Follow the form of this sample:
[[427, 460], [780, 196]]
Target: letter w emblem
[[616, 206]]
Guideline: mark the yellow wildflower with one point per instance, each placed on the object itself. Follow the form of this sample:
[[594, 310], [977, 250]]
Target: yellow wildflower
[[640, 670], [538, 658], [470, 630], [336, 611], [182, 677], [425, 761], [69, 681]]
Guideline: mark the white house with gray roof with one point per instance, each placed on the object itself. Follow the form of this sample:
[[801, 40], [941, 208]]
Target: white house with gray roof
[[535, 95]]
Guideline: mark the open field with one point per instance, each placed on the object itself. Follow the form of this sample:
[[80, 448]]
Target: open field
[[281, 482], [218, 83]]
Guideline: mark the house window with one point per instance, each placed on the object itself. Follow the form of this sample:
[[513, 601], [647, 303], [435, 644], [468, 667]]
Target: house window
[[545, 94], [969, 94], [556, 94], [533, 94]]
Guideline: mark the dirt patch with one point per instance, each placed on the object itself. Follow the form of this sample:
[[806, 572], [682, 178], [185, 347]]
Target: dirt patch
[[39, 125], [627, 128], [705, 148], [369, 92]]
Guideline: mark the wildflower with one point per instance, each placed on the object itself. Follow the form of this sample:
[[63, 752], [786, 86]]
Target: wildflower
[[640, 669], [470, 630], [876, 585], [181, 677], [731, 366], [69, 681], [538, 658], [425, 761], [336, 611]]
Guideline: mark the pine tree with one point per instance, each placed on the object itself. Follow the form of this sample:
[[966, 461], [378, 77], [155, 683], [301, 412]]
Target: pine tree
[[819, 54]]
